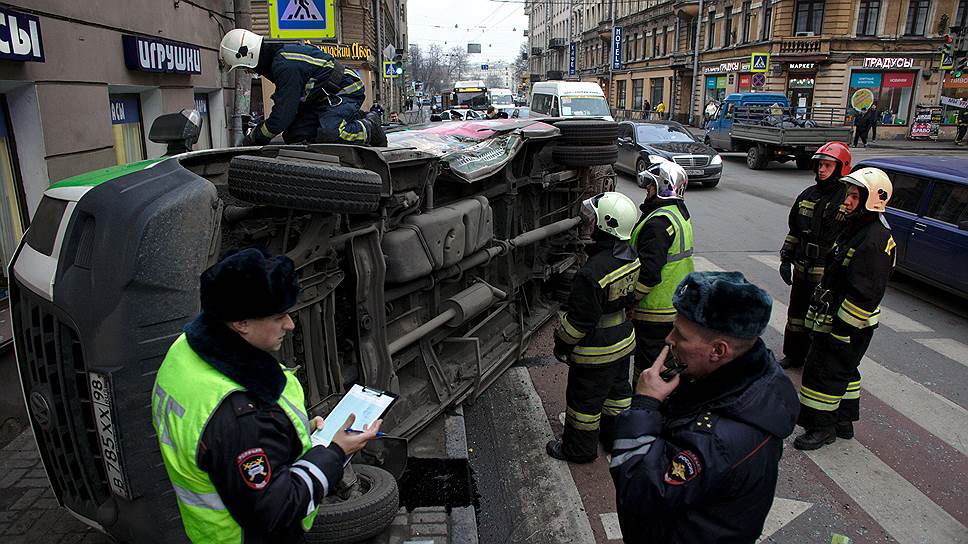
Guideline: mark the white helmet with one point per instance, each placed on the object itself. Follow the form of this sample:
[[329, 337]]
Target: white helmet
[[240, 49], [669, 179], [614, 213]]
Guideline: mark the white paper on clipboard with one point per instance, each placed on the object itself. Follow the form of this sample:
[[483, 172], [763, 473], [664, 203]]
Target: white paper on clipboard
[[367, 404]]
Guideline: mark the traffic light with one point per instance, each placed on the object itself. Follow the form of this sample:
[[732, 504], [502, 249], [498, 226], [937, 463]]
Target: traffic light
[[398, 62], [960, 67]]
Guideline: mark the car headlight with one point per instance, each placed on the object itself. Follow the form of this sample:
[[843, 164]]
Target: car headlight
[[717, 159], [656, 159]]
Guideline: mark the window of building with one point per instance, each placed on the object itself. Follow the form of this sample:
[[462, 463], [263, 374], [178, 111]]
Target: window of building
[[747, 20], [655, 43], [867, 16], [907, 192], [962, 14], [728, 27], [711, 31], [622, 89], [637, 94], [692, 37], [949, 203], [808, 17], [891, 91], [129, 142], [657, 93], [917, 17], [954, 93], [767, 20], [11, 204], [665, 40]]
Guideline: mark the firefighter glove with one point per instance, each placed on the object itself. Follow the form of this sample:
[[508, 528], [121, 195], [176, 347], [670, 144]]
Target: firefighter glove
[[786, 272]]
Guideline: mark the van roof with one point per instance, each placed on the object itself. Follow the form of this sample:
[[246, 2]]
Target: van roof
[[953, 169], [567, 87], [757, 97]]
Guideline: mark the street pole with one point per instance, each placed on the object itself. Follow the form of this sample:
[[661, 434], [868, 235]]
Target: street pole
[[379, 45], [695, 65], [243, 81]]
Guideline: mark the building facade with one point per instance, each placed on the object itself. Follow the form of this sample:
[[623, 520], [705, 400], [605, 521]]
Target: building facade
[[836, 55]]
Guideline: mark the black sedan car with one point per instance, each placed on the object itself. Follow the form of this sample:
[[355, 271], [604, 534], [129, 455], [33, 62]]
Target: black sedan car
[[642, 143]]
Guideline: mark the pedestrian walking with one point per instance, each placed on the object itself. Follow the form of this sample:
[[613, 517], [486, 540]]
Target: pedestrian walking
[[231, 421], [663, 241], [962, 126], [316, 99], [844, 312], [874, 120], [660, 110], [647, 109], [594, 336], [860, 128], [816, 220], [696, 457]]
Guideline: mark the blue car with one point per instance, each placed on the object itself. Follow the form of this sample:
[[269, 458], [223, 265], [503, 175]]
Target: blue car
[[928, 214]]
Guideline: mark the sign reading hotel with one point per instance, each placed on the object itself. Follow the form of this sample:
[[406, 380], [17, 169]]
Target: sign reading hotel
[[888, 63], [153, 55], [352, 51], [302, 19]]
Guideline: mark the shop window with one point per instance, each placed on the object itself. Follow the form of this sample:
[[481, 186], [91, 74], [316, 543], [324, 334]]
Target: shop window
[[949, 203], [907, 192], [129, 143], [711, 31], [867, 15], [808, 18], [954, 97], [728, 27], [622, 89], [917, 17], [205, 137], [767, 19], [890, 91], [657, 91], [747, 20], [11, 204], [637, 94]]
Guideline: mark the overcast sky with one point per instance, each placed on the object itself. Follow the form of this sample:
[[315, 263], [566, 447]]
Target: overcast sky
[[432, 21]]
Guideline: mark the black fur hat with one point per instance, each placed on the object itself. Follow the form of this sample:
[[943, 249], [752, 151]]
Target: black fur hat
[[724, 302], [249, 284]]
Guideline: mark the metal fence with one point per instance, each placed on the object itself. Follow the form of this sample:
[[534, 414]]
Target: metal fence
[[638, 115], [819, 116]]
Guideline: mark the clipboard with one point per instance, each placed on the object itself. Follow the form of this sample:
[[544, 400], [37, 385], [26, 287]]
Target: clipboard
[[368, 403]]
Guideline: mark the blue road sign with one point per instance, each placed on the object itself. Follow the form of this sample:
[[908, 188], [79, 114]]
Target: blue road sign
[[760, 62], [572, 58], [302, 19], [483, 67], [617, 48]]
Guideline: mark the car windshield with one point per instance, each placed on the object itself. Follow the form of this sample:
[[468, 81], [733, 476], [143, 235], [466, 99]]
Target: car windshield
[[577, 106], [661, 133], [502, 100]]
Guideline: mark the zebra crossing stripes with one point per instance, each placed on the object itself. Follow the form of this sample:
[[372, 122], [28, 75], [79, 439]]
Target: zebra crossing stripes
[[952, 349]]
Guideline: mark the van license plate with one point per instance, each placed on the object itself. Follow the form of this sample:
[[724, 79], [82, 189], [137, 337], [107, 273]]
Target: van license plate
[[695, 172], [107, 435]]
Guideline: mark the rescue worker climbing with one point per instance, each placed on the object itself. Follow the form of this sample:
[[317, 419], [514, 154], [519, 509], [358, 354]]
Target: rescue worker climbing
[[663, 241], [816, 219], [316, 99], [844, 312], [594, 336]]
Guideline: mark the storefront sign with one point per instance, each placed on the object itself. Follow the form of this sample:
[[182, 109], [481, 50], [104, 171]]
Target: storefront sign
[[888, 63], [802, 66], [927, 124], [954, 102], [124, 110], [955, 82], [201, 105], [302, 19], [863, 79], [572, 58], [352, 51], [616, 48], [20, 37], [744, 82], [153, 55], [898, 80], [722, 68], [801, 83]]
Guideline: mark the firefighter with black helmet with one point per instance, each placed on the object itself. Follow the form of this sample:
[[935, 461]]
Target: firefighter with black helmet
[[844, 312], [594, 336], [816, 219], [663, 241]]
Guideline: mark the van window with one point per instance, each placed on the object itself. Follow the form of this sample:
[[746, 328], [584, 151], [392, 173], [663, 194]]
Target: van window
[[907, 192], [948, 203], [592, 106], [541, 103]]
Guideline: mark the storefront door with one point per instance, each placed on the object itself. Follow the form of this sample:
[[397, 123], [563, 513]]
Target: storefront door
[[800, 92]]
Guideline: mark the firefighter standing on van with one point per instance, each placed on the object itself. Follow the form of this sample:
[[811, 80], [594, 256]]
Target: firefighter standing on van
[[816, 219], [594, 336], [844, 312], [663, 241], [317, 99], [230, 420]]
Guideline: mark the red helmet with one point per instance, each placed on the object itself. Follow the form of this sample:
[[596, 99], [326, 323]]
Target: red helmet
[[835, 151]]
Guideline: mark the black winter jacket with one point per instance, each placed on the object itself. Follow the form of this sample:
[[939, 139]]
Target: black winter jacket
[[702, 467], [816, 220]]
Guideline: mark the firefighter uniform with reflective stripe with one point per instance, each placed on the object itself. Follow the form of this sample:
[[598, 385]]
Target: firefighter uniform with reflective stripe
[[242, 468], [816, 219], [663, 241], [316, 99], [843, 315], [596, 340]]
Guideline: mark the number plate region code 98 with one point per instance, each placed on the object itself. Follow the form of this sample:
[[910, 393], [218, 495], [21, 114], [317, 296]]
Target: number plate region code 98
[[101, 404]]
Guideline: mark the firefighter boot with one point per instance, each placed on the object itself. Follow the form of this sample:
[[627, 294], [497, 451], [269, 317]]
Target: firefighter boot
[[814, 439], [553, 448], [845, 430], [790, 362], [378, 138]]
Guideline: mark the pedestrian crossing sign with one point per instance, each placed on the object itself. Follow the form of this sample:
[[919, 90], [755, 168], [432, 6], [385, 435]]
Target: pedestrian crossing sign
[[947, 62], [760, 62], [302, 19]]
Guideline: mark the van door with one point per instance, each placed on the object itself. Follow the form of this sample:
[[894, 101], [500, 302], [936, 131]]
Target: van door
[[937, 248], [721, 125]]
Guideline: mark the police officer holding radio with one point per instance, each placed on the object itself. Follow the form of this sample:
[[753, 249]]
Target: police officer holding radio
[[231, 422], [695, 458]]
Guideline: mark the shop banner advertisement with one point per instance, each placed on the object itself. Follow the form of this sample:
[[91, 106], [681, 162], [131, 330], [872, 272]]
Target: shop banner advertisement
[[927, 124], [865, 79], [954, 102], [862, 99], [898, 80]]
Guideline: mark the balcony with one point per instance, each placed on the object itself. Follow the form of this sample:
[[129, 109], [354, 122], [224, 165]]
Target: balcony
[[556, 43], [687, 9], [536, 51], [806, 46]]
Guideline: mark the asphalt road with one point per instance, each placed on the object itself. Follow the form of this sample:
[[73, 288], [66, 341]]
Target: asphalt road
[[903, 478]]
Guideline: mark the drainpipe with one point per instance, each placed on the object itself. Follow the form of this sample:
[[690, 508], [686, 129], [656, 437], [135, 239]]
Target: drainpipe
[[695, 65], [240, 9], [379, 48]]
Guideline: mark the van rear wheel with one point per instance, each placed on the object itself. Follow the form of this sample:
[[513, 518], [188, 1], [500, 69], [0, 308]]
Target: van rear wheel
[[756, 158]]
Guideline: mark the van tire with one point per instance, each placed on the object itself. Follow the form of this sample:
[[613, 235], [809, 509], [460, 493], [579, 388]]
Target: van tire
[[588, 131], [756, 158], [585, 155], [304, 185], [358, 518]]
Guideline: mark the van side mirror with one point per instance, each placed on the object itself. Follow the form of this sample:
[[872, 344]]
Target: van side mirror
[[179, 131]]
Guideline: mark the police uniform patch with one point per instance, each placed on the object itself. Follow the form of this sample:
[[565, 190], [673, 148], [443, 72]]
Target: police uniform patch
[[254, 467], [684, 467]]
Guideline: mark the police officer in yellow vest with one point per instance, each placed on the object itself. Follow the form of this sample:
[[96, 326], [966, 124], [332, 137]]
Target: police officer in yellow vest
[[231, 421], [663, 240], [594, 336]]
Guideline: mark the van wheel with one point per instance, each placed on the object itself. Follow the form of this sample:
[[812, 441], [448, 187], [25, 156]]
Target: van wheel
[[585, 155], [756, 158], [359, 517], [605, 132], [304, 185]]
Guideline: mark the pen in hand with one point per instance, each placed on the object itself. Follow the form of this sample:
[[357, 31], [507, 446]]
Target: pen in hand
[[379, 434]]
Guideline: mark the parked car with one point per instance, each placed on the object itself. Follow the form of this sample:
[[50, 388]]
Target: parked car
[[642, 143], [928, 214]]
